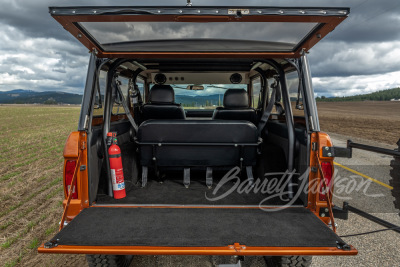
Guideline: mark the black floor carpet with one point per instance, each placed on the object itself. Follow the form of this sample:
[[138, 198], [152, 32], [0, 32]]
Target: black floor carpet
[[192, 227], [172, 191]]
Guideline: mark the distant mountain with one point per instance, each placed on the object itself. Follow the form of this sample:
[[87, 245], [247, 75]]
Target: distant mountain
[[197, 101], [385, 95], [20, 96]]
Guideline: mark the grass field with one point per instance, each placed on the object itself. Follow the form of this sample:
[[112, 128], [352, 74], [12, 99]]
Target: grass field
[[32, 140]]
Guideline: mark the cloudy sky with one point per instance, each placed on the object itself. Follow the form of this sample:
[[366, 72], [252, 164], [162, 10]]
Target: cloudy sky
[[362, 55]]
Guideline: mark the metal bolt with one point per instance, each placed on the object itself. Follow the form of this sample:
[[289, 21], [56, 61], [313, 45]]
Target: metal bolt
[[326, 148], [159, 144], [86, 201], [94, 11], [329, 154], [302, 12], [73, 11], [326, 210], [241, 159], [198, 11], [154, 158], [180, 11], [216, 11], [259, 11], [235, 145], [322, 214], [319, 36]]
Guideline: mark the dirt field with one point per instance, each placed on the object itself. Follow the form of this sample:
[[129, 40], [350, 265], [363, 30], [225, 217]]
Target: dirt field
[[371, 120], [32, 140]]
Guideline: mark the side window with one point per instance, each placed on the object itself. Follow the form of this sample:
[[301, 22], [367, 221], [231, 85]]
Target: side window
[[278, 98], [98, 108], [117, 105], [296, 98], [140, 84], [256, 91]]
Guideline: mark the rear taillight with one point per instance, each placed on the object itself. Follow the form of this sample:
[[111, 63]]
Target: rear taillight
[[69, 174], [328, 174]]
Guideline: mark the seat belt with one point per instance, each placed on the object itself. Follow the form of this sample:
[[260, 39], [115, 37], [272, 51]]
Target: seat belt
[[250, 177], [209, 177], [128, 113], [268, 109], [144, 175], [186, 177]]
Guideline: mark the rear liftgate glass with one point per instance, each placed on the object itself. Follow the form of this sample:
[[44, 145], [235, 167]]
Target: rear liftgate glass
[[143, 32]]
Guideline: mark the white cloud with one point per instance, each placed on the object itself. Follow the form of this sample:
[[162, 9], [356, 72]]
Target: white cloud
[[355, 85], [41, 64]]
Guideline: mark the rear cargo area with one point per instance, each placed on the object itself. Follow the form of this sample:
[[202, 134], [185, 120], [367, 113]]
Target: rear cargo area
[[171, 191], [197, 227]]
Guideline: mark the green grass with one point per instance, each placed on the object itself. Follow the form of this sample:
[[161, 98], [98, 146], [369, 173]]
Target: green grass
[[51, 230], [9, 176], [34, 243], [31, 165], [14, 262], [55, 192], [51, 184]]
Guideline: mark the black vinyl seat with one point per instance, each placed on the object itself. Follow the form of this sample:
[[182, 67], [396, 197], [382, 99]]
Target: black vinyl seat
[[186, 144], [162, 104], [236, 107]]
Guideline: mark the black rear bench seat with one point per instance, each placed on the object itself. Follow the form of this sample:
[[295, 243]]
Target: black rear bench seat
[[196, 143]]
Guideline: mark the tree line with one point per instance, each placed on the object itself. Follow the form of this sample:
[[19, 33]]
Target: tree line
[[384, 95]]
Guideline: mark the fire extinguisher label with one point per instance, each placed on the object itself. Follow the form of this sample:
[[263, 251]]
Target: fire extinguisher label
[[117, 177]]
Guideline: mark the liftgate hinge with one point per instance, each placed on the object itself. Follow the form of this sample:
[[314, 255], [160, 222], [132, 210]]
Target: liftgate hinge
[[83, 145], [314, 146]]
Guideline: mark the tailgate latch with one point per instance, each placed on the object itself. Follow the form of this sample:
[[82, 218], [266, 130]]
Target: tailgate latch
[[237, 247]]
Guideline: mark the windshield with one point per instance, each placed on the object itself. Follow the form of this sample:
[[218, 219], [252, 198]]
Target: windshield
[[210, 97]]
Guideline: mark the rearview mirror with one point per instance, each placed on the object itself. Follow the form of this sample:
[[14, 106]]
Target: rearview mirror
[[195, 87]]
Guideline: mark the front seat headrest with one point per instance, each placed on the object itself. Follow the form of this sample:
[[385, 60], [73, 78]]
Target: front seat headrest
[[236, 98], [162, 94]]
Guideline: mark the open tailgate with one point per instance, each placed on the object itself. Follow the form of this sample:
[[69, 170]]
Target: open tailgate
[[197, 231], [173, 31]]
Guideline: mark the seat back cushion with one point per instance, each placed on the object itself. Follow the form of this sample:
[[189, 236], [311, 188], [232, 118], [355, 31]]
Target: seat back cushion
[[188, 143]]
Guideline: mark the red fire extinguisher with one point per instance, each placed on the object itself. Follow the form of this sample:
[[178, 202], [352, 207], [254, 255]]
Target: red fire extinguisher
[[117, 173]]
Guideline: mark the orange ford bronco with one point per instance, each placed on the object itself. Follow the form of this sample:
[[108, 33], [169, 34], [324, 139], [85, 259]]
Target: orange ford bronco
[[214, 116]]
